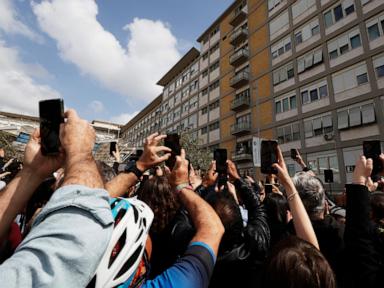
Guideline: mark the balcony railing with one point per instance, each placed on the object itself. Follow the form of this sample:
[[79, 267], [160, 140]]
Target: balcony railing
[[241, 102], [238, 17], [239, 156], [238, 36], [239, 57], [241, 128], [240, 79]]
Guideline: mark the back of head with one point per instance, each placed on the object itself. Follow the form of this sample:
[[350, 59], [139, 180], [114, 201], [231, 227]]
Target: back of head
[[295, 263], [229, 212], [377, 205], [276, 206], [311, 192], [158, 195]]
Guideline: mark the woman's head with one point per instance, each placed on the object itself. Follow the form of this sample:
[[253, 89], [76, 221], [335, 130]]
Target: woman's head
[[295, 263], [158, 195]]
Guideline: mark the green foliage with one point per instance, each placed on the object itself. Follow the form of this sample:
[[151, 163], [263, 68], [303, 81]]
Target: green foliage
[[198, 155]]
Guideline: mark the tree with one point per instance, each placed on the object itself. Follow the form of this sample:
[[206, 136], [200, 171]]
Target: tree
[[198, 155], [6, 140]]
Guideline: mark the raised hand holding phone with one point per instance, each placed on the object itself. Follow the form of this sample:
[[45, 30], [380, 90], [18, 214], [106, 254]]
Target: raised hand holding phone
[[268, 156]]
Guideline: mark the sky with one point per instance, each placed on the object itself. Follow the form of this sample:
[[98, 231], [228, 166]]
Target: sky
[[102, 57]]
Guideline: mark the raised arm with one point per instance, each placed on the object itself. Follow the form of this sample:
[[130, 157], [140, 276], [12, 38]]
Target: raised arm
[[16, 194], [119, 185], [301, 221]]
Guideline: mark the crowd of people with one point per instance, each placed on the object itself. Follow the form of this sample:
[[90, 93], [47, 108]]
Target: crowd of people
[[70, 221]]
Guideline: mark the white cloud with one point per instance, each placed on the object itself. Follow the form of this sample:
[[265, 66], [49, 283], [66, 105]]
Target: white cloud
[[10, 22], [131, 71], [123, 118], [19, 92], [96, 106]]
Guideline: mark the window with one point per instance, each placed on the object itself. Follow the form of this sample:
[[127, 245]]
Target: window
[[214, 48], [204, 92], [288, 133], [214, 66], [214, 85], [205, 73], [281, 47], [318, 126], [214, 126], [283, 74], [362, 78], [314, 92], [193, 102], [350, 78], [307, 31], [272, 4], [338, 12], [194, 85], [309, 60], [279, 23], [285, 104], [204, 130], [300, 6], [356, 116], [378, 64], [205, 56], [214, 105], [344, 43], [204, 111]]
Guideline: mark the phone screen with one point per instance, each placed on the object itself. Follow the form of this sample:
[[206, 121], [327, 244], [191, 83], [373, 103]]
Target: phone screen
[[51, 116], [173, 142], [372, 149], [220, 156], [268, 188], [268, 156], [294, 154], [112, 148]]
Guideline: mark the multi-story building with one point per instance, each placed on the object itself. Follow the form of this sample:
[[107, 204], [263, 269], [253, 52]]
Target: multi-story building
[[148, 121], [309, 73]]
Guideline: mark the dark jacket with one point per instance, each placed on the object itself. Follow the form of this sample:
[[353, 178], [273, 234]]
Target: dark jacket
[[242, 266], [365, 264]]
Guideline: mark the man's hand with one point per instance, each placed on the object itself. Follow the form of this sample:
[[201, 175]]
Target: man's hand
[[150, 157], [363, 170], [232, 171], [211, 175], [282, 174], [194, 179], [179, 174], [116, 154], [77, 137], [37, 164]]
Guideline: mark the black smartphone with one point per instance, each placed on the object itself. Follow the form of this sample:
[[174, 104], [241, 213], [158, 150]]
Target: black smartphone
[[268, 156], [173, 142], [294, 154], [220, 156], [112, 148], [372, 149], [51, 116], [268, 188]]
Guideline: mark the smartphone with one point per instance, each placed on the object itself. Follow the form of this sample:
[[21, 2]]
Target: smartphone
[[372, 149], [112, 148], [294, 154], [268, 188], [51, 114], [220, 156], [173, 142], [268, 156]]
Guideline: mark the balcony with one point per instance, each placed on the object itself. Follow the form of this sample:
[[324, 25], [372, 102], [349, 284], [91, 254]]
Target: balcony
[[242, 102], [238, 36], [240, 128], [240, 79], [238, 17], [239, 57], [242, 156]]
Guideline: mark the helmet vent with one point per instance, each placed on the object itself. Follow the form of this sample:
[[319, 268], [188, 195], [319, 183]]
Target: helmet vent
[[117, 249], [131, 260]]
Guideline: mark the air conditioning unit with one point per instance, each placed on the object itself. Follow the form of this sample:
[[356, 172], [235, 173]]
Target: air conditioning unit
[[329, 136]]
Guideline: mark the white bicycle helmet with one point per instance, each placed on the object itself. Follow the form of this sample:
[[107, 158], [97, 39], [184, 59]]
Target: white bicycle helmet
[[121, 261]]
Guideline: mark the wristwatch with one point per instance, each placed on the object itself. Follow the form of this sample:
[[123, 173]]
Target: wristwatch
[[132, 168]]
